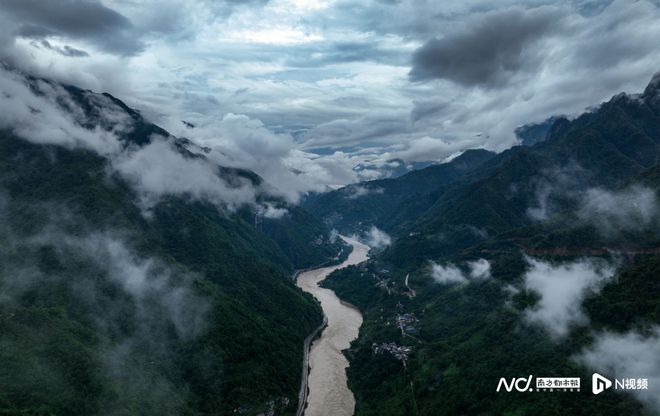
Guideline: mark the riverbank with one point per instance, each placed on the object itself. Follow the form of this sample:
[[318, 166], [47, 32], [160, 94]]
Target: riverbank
[[326, 390]]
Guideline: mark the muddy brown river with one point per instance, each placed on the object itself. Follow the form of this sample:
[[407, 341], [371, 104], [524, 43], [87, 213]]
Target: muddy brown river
[[328, 389]]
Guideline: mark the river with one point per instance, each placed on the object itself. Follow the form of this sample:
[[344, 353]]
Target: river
[[328, 389]]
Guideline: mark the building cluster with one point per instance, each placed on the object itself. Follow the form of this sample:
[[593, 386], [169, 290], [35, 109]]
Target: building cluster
[[400, 352], [406, 322]]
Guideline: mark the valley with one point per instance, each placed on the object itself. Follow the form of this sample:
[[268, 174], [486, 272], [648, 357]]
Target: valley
[[329, 208], [328, 389]]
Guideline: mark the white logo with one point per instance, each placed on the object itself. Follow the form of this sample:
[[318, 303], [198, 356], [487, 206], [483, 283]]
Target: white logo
[[599, 383], [557, 383], [515, 382]]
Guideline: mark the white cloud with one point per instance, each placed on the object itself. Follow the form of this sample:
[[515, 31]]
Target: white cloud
[[41, 119], [145, 279], [376, 238], [270, 211], [449, 273], [628, 355], [333, 75], [157, 170], [610, 211], [46, 113], [479, 269], [562, 288], [633, 208]]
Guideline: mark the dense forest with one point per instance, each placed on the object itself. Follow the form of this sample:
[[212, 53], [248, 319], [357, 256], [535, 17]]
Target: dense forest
[[478, 249], [112, 303]]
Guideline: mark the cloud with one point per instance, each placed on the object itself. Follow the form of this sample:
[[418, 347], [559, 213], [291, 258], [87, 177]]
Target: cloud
[[553, 187], [562, 288], [238, 140], [149, 282], [494, 48], [270, 211], [145, 279], [139, 308], [449, 273], [158, 169], [479, 269], [46, 113], [86, 20], [34, 111], [357, 191], [342, 89], [628, 355], [65, 50], [376, 238], [565, 191], [631, 209], [559, 72]]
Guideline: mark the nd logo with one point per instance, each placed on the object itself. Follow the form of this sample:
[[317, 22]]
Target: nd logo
[[521, 384]]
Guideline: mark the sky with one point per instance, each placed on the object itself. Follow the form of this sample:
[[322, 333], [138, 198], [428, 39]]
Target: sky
[[321, 87]]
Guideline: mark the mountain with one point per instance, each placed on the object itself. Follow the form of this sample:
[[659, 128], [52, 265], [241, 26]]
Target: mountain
[[381, 202], [538, 260], [392, 168], [532, 133], [139, 277]]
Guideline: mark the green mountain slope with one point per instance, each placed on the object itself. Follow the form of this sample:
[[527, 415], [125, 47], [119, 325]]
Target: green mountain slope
[[586, 194], [388, 203], [108, 307]]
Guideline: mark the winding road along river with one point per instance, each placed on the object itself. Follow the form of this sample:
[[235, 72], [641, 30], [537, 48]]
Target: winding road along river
[[328, 389]]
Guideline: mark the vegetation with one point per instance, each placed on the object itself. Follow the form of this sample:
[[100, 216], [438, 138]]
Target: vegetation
[[105, 308], [524, 201]]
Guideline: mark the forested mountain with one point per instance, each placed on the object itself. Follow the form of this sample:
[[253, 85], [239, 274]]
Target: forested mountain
[[139, 277], [539, 260], [389, 203]]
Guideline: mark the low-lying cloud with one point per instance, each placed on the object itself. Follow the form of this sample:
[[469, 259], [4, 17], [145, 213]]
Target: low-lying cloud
[[158, 169], [565, 191], [150, 283], [139, 307], [357, 191], [449, 273], [479, 269], [376, 238], [631, 209], [562, 288], [46, 113], [628, 355]]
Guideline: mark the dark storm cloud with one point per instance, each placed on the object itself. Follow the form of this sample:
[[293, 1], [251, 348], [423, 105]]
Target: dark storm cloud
[[489, 52], [85, 20]]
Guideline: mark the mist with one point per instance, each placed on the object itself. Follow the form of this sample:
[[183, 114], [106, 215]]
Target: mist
[[376, 238], [449, 273], [140, 308], [562, 287], [628, 355]]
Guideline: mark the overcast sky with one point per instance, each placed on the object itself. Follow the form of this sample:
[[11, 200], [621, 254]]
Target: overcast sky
[[320, 86]]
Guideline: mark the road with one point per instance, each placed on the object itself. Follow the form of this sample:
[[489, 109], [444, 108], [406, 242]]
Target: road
[[412, 292], [304, 389]]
